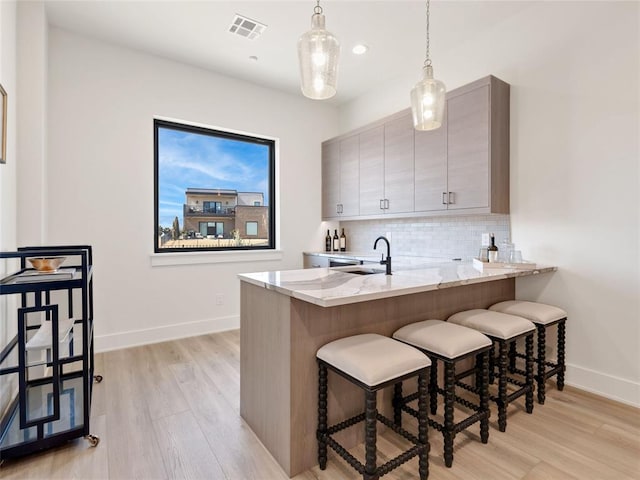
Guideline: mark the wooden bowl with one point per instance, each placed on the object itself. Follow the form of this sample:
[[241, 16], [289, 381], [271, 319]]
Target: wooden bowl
[[46, 264]]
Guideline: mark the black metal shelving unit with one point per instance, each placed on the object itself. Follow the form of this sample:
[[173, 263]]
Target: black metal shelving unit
[[55, 371]]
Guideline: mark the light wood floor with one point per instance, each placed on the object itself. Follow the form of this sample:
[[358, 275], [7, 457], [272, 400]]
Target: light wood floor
[[171, 410]]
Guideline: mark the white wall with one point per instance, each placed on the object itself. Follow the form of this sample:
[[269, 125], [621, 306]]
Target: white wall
[[99, 176], [574, 72], [8, 177]]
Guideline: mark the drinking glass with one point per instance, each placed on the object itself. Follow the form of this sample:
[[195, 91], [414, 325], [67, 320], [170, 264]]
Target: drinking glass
[[516, 256]]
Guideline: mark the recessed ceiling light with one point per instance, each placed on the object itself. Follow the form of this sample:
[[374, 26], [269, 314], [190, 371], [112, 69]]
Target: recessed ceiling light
[[360, 49]]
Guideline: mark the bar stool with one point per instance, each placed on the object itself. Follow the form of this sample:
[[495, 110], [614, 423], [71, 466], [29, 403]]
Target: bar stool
[[543, 316], [504, 330], [372, 362], [448, 343]]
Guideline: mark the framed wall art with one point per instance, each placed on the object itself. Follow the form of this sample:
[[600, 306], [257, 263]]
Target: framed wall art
[[3, 125]]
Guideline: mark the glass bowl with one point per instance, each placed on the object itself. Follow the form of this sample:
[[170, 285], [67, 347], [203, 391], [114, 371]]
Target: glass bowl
[[46, 264]]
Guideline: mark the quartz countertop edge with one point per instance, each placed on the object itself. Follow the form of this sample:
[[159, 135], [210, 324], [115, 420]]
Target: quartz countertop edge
[[328, 287]]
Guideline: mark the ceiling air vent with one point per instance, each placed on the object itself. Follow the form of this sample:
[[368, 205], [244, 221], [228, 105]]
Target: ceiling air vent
[[245, 27]]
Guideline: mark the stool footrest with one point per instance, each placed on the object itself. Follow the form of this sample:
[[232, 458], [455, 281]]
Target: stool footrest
[[458, 427], [535, 359], [346, 424]]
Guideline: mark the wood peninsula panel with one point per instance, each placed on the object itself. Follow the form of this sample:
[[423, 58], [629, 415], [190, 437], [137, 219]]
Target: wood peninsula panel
[[265, 380], [278, 373]]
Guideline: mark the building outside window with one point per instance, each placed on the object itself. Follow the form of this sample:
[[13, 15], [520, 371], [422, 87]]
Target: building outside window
[[214, 190]]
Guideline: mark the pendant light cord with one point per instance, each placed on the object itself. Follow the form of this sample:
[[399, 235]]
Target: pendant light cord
[[317, 9], [427, 61]]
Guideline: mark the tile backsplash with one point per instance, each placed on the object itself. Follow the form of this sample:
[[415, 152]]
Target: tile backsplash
[[443, 237]]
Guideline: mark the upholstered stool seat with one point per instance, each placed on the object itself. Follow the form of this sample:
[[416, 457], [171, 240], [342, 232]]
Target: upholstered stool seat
[[448, 343], [543, 316], [372, 362], [503, 329]]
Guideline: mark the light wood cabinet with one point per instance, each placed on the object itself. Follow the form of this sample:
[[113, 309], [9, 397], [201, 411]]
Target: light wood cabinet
[[330, 179], [349, 176], [462, 167], [398, 165], [478, 147], [431, 169], [372, 171], [340, 177]]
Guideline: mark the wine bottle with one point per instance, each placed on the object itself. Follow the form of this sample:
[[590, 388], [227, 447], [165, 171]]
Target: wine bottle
[[343, 242], [492, 251], [327, 242], [336, 241]]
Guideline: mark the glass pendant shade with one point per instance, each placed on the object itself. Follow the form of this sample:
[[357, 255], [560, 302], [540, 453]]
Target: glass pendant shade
[[318, 53], [427, 101]]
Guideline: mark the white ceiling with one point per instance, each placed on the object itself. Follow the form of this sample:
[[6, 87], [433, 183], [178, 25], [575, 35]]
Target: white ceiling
[[196, 33]]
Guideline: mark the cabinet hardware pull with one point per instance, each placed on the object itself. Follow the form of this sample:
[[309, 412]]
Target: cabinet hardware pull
[[444, 199], [386, 204], [454, 198], [381, 204]]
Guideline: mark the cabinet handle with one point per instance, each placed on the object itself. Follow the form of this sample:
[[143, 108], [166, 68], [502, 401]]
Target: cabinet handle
[[444, 198], [452, 195], [382, 204], [337, 208], [386, 204]]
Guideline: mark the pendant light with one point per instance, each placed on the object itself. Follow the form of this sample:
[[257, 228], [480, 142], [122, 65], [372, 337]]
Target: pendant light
[[318, 52], [428, 96]]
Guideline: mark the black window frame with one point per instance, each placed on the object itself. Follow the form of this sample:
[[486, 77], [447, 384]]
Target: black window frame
[[214, 132]]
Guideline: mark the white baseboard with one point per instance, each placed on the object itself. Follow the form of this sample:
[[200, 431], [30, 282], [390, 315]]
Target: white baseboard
[[614, 388], [133, 338]]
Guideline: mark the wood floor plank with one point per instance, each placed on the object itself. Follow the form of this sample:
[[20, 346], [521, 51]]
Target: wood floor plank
[[227, 434], [171, 410], [184, 448], [134, 452]]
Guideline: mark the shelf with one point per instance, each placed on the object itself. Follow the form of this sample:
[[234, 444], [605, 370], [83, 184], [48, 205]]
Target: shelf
[[44, 336], [71, 413]]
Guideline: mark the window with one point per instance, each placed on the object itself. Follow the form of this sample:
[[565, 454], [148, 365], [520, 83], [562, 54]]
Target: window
[[251, 228], [214, 190]]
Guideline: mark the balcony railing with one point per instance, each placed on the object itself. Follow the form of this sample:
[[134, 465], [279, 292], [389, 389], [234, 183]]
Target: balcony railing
[[199, 211]]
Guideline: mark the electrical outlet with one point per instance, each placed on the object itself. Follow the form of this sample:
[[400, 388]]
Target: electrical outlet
[[219, 299], [485, 239]]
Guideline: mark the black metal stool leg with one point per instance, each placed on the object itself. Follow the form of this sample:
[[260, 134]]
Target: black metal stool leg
[[529, 372], [433, 386], [423, 437], [483, 366], [370, 436], [502, 386], [397, 404], [561, 353], [449, 399], [541, 361], [322, 416]]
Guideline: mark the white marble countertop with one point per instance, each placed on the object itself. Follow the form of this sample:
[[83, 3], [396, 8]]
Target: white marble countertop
[[328, 287]]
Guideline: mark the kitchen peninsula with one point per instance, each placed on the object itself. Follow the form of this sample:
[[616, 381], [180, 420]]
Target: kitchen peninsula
[[285, 316]]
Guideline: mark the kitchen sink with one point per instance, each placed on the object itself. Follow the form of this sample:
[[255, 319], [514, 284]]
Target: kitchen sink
[[359, 270]]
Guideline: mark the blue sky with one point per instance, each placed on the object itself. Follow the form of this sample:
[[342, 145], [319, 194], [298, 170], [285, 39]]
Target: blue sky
[[192, 160]]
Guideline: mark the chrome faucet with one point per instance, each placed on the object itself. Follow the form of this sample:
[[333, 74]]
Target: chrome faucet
[[386, 262]]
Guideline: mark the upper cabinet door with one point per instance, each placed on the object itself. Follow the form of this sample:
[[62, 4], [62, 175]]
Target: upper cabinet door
[[468, 149], [431, 169], [398, 165], [330, 179], [372, 171], [350, 176]]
